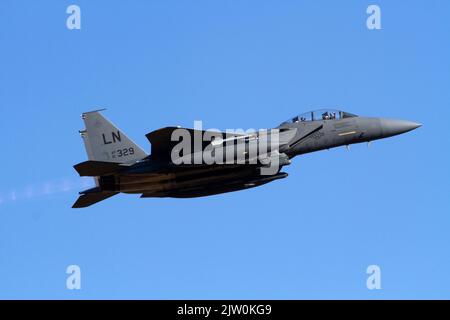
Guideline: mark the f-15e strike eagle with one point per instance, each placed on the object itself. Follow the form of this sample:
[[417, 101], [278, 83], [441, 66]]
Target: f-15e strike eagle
[[181, 169]]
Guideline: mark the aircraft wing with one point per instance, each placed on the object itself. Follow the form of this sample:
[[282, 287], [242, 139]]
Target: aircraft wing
[[162, 144]]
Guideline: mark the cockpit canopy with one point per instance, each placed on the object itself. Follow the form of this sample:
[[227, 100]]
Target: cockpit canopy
[[319, 115]]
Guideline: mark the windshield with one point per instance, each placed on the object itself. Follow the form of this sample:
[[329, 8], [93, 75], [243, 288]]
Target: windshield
[[322, 114]]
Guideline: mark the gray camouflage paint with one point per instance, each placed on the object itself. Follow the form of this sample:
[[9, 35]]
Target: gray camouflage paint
[[118, 165]]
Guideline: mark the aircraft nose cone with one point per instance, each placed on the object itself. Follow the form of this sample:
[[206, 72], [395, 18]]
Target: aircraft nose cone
[[392, 127]]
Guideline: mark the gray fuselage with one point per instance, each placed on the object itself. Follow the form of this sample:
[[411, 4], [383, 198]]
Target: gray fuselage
[[326, 134]]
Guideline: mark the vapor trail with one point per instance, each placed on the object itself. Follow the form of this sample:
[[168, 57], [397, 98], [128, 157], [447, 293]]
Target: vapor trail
[[57, 186]]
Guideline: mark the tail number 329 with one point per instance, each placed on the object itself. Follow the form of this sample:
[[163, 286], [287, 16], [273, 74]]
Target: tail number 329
[[119, 153]]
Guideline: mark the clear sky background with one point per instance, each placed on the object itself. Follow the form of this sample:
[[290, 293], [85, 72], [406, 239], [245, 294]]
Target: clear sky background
[[231, 64]]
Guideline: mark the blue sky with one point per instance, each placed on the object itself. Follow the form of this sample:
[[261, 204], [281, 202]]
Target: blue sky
[[231, 64]]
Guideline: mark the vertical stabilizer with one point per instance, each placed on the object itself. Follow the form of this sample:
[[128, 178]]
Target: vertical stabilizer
[[105, 142]]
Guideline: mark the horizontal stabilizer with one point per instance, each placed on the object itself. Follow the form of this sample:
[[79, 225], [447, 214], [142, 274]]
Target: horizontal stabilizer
[[97, 168], [85, 200]]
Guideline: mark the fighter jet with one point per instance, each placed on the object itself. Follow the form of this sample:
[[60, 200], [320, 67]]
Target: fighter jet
[[117, 164]]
